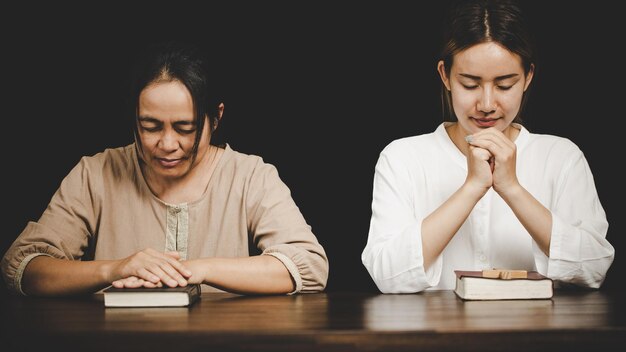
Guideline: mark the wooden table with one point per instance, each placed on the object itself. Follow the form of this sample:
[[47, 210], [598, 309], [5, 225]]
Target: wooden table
[[337, 321]]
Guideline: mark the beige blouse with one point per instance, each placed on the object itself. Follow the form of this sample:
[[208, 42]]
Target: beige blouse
[[104, 210]]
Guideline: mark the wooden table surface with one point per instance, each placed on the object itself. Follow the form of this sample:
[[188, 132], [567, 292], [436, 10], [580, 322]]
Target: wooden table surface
[[336, 321]]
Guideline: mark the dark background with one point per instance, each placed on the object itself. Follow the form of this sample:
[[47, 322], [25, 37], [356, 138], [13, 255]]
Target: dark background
[[315, 88]]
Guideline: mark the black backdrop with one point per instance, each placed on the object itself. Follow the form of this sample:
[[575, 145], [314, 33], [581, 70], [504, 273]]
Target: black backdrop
[[316, 88]]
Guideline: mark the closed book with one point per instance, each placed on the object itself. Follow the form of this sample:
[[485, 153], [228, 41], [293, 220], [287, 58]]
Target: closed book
[[180, 296], [472, 285]]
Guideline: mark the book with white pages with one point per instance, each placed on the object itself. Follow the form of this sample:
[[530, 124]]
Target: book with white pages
[[180, 296]]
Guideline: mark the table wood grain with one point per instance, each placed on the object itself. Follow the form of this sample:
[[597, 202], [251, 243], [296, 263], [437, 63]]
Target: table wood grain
[[337, 321]]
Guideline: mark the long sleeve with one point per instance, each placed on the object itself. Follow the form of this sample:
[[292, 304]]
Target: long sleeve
[[104, 210], [415, 175], [393, 254], [63, 231], [280, 230], [579, 251]]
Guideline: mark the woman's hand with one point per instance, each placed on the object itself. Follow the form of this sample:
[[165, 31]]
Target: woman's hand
[[479, 168], [502, 159], [198, 268], [150, 268]]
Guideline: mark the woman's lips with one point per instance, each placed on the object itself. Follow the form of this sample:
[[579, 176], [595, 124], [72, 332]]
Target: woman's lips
[[169, 163], [485, 122]]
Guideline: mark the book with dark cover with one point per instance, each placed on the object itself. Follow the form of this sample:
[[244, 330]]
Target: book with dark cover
[[151, 297], [472, 285]]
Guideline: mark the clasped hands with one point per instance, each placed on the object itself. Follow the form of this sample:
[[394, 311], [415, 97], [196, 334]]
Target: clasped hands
[[491, 161]]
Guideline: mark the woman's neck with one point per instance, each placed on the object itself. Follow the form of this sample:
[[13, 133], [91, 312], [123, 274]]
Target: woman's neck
[[191, 185]]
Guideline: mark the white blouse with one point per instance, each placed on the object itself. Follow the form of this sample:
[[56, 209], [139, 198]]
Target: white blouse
[[415, 175]]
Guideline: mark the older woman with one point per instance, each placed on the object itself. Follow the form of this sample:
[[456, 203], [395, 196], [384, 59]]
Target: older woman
[[170, 209]]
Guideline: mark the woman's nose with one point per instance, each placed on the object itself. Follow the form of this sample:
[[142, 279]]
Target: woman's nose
[[486, 103], [168, 141]]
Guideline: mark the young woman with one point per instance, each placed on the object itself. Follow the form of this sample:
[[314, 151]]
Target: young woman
[[481, 191], [171, 209]]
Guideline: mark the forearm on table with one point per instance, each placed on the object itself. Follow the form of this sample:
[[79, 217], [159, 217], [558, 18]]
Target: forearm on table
[[47, 276], [262, 274]]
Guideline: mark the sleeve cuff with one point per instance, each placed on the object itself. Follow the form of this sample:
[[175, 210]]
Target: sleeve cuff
[[563, 257], [17, 283], [292, 268], [433, 274]]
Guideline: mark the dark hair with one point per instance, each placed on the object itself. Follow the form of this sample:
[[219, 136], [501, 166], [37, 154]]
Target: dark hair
[[183, 62], [471, 22]]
